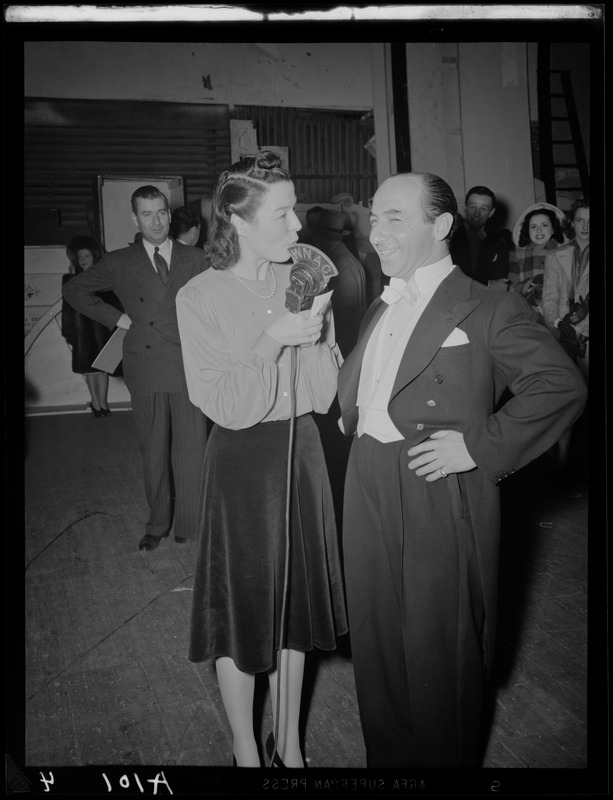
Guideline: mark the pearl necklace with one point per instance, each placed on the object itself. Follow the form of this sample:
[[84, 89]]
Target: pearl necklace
[[261, 296]]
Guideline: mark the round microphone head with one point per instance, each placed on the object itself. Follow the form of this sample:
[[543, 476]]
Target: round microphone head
[[313, 256]]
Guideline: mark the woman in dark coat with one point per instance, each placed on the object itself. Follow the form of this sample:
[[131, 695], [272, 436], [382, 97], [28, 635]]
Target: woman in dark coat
[[85, 336]]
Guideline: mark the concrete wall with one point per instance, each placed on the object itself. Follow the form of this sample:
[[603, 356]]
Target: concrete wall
[[297, 75], [469, 118]]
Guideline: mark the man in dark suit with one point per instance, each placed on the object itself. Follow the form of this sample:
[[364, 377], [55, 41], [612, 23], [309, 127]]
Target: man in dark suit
[[422, 516], [171, 431], [479, 249]]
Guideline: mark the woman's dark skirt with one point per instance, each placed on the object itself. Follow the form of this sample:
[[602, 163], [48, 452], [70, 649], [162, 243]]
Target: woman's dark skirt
[[239, 580]]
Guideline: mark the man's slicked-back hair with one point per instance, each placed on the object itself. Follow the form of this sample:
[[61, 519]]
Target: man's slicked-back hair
[[148, 193], [437, 198]]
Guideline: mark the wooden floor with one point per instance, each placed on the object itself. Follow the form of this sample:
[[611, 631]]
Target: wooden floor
[[107, 678]]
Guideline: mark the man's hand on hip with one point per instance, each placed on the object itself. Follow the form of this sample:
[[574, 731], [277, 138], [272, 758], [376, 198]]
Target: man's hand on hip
[[440, 455]]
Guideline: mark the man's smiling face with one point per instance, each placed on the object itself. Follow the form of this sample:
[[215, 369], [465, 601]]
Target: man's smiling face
[[399, 233]]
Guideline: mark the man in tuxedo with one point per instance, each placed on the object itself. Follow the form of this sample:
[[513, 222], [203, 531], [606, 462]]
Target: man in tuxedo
[[480, 250], [171, 431], [421, 515]]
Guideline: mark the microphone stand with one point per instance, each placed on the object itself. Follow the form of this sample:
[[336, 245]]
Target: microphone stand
[[288, 496]]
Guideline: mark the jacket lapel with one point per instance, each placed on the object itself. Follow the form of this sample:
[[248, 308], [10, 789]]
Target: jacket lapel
[[144, 273], [450, 304]]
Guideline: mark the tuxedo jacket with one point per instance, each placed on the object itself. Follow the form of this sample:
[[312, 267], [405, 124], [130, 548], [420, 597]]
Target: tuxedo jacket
[[469, 344], [152, 359]]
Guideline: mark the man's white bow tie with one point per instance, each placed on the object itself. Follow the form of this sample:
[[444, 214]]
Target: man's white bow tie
[[398, 288]]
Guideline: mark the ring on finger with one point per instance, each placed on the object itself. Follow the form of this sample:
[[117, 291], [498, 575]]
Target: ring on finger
[[443, 473]]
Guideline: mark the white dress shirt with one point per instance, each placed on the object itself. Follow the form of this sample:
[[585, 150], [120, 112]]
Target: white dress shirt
[[387, 344]]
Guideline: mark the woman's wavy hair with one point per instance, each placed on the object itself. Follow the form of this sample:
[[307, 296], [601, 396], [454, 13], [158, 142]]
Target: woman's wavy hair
[[239, 190], [524, 234], [580, 202], [83, 243]]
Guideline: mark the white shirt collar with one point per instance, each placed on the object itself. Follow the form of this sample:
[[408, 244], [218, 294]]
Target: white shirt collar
[[165, 247], [427, 278]]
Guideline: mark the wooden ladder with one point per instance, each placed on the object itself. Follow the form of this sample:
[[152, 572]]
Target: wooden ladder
[[562, 155]]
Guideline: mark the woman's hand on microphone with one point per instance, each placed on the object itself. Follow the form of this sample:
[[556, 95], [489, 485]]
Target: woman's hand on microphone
[[296, 329]]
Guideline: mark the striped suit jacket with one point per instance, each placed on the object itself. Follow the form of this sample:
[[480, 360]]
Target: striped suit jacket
[[152, 359]]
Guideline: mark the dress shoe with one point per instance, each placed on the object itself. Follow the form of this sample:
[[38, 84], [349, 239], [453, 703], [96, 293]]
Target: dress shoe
[[149, 542], [106, 412], [97, 412]]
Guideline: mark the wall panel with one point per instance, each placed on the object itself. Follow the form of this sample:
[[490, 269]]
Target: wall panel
[[69, 142], [326, 149]]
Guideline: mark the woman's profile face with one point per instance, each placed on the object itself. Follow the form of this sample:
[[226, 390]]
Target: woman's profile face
[[85, 259], [540, 229], [581, 225], [274, 227]]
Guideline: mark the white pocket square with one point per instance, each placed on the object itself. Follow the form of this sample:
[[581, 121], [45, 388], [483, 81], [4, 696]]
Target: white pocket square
[[455, 338]]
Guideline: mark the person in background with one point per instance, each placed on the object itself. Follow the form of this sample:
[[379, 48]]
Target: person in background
[[146, 277], [419, 394], [202, 210], [537, 231], [566, 287], [479, 251], [566, 312], [85, 336], [308, 234], [185, 226], [239, 344], [349, 286]]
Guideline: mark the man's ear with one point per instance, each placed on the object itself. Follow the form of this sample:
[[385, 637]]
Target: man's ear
[[491, 214], [442, 226], [134, 219]]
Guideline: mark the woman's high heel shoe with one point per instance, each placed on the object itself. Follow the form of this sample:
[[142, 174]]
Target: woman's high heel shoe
[[106, 412], [276, 761], [97, 412], [270, 748]]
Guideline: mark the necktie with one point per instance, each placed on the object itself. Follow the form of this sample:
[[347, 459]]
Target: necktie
[[160, 265], [397, 288]]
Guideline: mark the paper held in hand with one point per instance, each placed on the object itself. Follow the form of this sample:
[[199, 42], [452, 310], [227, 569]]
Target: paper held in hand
[[320, 303], [111, 354]]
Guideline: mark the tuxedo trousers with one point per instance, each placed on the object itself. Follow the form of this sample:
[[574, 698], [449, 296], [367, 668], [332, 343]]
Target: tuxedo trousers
[[415, 606], [172, 436]]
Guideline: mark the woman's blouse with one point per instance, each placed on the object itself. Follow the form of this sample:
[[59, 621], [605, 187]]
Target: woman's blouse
[[236, 373]]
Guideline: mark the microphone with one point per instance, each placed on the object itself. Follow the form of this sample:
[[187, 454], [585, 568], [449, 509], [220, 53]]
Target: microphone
[[309, 276]]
